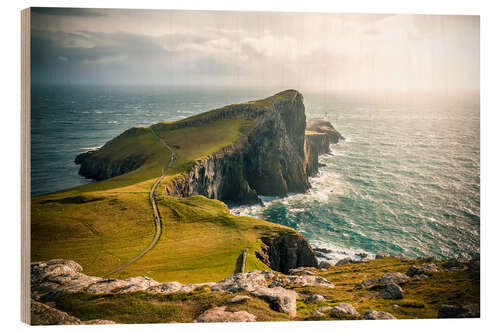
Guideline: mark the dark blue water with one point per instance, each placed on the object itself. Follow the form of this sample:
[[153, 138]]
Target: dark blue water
[[406, 180], [69, 120]]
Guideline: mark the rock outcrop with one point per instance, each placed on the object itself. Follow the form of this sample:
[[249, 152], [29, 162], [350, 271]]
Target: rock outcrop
[[287, 251], [219, 314], [455, 311], [384, 280], [424, 269], [58, 277], [377, 315], [320, 125], [280, 299], [99, 165], [344, 310], [392, 291], [42, 314]]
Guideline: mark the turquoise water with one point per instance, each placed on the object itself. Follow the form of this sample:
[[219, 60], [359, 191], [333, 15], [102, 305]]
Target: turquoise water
[[406, 180]]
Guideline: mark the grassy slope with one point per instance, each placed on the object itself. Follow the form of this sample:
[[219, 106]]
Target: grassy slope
[[422, 297], [103, 224]]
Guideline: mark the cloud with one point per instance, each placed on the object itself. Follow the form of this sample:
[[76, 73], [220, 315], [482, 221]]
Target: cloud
[[330, 51], [82, 12]]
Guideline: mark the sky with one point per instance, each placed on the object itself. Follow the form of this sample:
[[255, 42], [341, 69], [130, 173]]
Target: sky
[[305, 51]]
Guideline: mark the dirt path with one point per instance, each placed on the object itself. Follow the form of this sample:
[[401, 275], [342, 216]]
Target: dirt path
[[155, 210]]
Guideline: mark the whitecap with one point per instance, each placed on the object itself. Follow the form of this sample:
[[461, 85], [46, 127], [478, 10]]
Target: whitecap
[[338, 253]]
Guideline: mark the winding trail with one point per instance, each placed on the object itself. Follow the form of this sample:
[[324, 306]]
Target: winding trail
[[155, 210]]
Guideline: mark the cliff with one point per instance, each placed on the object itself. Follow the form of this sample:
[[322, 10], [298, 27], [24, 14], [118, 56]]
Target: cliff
[[274, 157], [232, 154], [286, 252]]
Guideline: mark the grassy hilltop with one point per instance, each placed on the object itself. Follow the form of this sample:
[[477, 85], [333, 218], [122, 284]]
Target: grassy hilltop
[[103, 224]]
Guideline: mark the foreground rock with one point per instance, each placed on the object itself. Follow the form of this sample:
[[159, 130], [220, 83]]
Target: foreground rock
[[58, 277], [240, 299], [315, 298], [244, 281], [42, 314], [293, 281], [220, 314], [115, 286], [424, 269], [343, 310], [174, 287], [392, 291], [280, 299], [345, 261], [454, 311], [377, 315], [385, 279]]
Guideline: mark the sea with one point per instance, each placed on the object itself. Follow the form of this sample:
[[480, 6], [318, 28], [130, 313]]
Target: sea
[[405, 180]]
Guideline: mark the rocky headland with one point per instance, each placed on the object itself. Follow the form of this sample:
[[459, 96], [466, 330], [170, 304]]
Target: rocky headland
[[275, 157]]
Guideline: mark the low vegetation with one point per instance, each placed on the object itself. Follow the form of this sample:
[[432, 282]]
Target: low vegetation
[[421, 300], [104, 224]]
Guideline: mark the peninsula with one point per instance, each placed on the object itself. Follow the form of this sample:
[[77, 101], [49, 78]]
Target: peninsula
[[154, 232]]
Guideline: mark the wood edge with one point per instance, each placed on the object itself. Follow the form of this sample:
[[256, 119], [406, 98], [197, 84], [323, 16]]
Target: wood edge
[[25, 165]]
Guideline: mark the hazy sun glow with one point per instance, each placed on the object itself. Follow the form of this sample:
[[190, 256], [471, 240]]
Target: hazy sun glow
[[330, 52]]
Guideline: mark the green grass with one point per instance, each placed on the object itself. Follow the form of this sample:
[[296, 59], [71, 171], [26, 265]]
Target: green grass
[[422, 297], [140, 307], [103, 224]]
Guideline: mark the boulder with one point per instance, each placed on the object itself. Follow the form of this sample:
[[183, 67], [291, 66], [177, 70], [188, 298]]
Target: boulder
[[58, 277], [244, 281], [42, 314], [280, 299], [454, 264], [427, 269], [362, 255], [324, 265], [399, 256], [240, 298], [345, 261], [300, 271], [376, 315], [382, 255], [317, 313], [315, 298], [454, 311], [294, 281], [325, 308], [385, 279], [115, 286], [344, 310], [219, 314], [392, 291]]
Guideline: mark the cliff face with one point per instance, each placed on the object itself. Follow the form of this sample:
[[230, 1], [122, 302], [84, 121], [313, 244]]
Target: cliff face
[[100, 169], [275, 158], [219, 176], [286, 252], [324, 126]]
